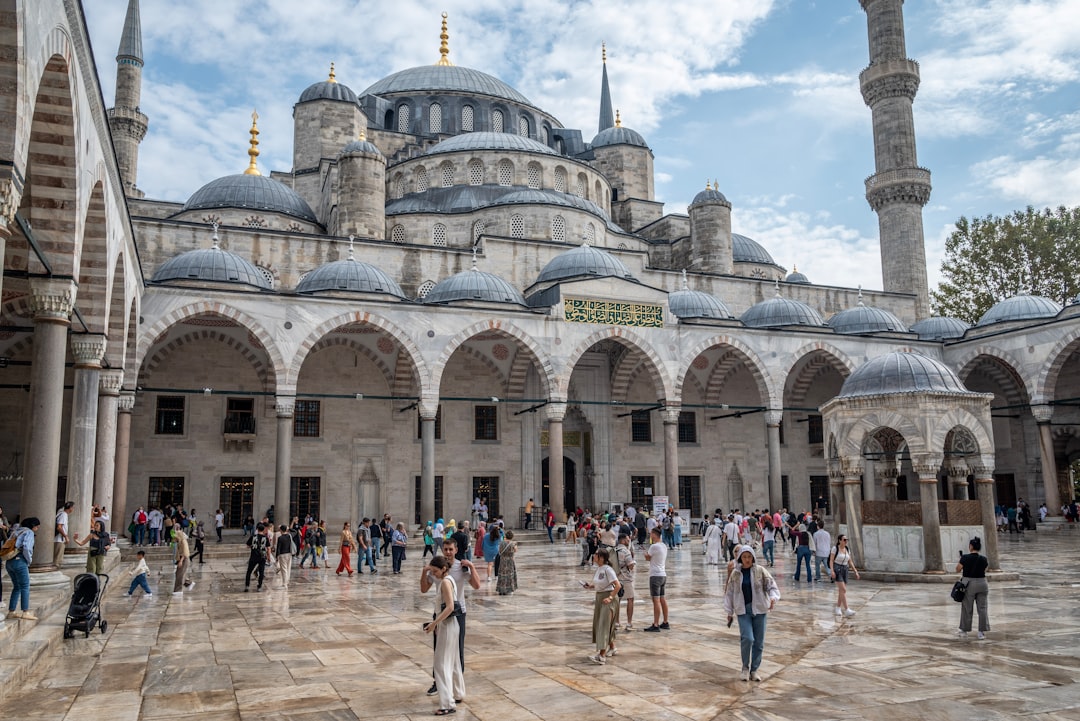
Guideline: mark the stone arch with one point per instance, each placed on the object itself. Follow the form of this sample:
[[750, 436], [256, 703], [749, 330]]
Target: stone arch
[[665, 389], [818, 356], [484, 360], [117, 316], [1003, 369], [131, 336], [93, 263], [277, 361], [12, 105], [362, 317], [961, 418], [753, 363], [543, 362], [152, 362], [851, 442], [328, 342], [1046, 383]]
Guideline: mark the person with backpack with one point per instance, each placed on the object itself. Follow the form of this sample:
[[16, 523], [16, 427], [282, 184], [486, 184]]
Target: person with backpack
[[18, 567], [309, 548], [138, 521], [260, 549]]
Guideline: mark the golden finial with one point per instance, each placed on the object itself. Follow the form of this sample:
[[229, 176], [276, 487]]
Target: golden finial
[[332, 78], [794, 268], [603, 52], [253, 151], [363, 135], [444, 45], [708, 185], [618, 120], [716, 185]]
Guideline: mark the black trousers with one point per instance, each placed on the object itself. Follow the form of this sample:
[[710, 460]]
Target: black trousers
[[199, 548], [256, 562]]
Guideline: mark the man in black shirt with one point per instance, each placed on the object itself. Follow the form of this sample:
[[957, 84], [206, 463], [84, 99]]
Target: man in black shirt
[[461, 538]]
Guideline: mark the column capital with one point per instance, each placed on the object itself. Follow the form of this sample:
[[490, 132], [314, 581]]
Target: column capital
[[851, 470], [10, 197], [127, 401], [52, 300], [284, 406], [88, 349], [927, 471], [428, 407], [1042, 413], [555, 411], [670, 414], [110, 381], [957, 469], [887, 469], [773, 417]]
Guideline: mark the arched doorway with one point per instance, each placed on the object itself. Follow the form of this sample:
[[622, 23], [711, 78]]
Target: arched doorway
[[569, 484]]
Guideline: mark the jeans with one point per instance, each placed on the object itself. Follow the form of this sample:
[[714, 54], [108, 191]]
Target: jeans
[[155, 536], [801, 553], [139, 582], [678, 535], [370, 556], [820, 561], [218, 529], [751, 638], [669, 538], [309, 552], [387, 540], [550, 530], [399, 556], [767, 551], [20, 582], [140, 534]]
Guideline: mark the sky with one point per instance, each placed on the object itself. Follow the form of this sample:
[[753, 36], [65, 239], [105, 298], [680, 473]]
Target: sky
[[761, 96]]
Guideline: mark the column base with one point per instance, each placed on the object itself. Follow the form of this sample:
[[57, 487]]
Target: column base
[[48, 577]]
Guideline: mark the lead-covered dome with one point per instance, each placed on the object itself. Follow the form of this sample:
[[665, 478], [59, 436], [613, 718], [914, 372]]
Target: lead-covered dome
[[777, 312], [864, 319], [940, 328], [360, 146], [618, 135], [712, 195], [251, 192], [796, 277], [748, 250], [328, 90], [427, 79], [349, 275], [688, 303], [474, 285], [490, 141], [584, 260], [901, 372], [1020, 307], [211, 265]]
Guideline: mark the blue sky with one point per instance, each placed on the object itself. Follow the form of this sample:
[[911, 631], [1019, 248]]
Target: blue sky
[[761, 95]]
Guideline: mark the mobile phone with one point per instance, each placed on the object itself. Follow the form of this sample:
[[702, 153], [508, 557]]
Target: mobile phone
[[584, 584], [730, 620]]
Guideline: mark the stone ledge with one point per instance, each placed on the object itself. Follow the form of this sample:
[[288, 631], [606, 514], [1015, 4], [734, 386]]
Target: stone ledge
[[941, 578]]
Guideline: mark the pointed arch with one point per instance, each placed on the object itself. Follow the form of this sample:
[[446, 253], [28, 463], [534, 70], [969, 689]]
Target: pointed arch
[[753, 363], [1004, 369], [116, 312], [329, 342], [527, 342], [808, 364], [962, 418], [146, 371], [93, 262], [851, 440], [665, 389], [1046, 383]]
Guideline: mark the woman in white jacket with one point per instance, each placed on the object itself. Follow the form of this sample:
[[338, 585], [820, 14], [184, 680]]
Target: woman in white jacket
[[751, 593]]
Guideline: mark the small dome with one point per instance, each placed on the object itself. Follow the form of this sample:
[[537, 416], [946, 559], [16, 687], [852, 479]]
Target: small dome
[[940, 328], [251, 192], [748, 250], [328, 90], [901, 372], [474, 285], [710, 195], [213, 265], [618, 135], [360, 146], [797, 277], [864, 319], [490, 141], [777, 312], [688, 303], [349, 275], [1020, 307], [428, 79], [584, 260]]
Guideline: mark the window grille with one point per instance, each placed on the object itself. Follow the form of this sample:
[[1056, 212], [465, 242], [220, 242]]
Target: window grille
[[497, 121], [506, 172], [517, 227], [403, 118], [421, 179], [397, 234], [534, 176], [523, 126], [435, 118], [447, 175], [467, 119], [425, 288], [560, 180], [558, 229], [438, 234], [476, 172]]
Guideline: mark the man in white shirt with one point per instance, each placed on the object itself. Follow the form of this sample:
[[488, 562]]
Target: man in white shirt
[[219, 523], [822, 547], [731, 538], [462, 572], [61, 539], [657, 558]]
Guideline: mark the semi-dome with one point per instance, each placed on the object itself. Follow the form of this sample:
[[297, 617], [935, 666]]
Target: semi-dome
[[584, 260], [428, 79], [490, 141], [796, 277], [748, 250], [863, 319], [211, 265], [543, 196], [901, 372], [777, 312], [1020, 307], [940, 328], [710, 195], [618, 135], [474, 285], [688, 303], [250, 192], [349, 275], [328, 90]]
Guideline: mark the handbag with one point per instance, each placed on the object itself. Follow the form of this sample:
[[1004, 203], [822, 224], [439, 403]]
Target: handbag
[[959, 590], [458, 610]]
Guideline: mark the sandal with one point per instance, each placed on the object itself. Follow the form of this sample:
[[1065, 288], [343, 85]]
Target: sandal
[[445, 711]]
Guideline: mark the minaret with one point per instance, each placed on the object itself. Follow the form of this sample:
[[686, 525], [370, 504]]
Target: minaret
[[606, 118], [126, 121], [899, 188]]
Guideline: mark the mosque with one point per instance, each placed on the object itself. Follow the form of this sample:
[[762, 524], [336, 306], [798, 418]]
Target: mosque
[[450, 294]]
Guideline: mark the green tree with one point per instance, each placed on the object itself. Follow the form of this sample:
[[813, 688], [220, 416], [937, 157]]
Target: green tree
[[989, 259]]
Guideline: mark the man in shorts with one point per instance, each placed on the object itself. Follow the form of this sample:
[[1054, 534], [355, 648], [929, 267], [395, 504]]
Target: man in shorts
[[657, 558], [624, 567]]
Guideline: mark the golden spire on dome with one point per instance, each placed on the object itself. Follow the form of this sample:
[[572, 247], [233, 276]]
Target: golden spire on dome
[[253, 151], [444, 45], [708, 185], [618, 120], [363, 135], [332, 78]]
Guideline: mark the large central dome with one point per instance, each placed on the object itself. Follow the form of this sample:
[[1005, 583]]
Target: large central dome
[[446, 78]]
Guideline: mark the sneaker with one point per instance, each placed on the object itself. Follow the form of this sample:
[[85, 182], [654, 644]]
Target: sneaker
[[652, 629], [433, 691], [191, 586], [849, 613], [962, 634], [27, 616], [982, 636], [628, 628], [598, 659], [745, 675], [148, 595], [755, 676], [665, 626], [127, 595], [178, 593], [839, 611], [611, 652]]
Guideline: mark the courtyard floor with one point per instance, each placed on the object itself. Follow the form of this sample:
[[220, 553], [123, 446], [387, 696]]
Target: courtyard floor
[[352, 648]]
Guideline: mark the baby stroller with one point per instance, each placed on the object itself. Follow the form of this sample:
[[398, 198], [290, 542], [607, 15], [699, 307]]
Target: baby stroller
[[84, 612]]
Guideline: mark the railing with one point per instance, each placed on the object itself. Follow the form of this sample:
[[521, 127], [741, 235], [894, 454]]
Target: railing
[[899, 175], [909, 513], [240, 425]]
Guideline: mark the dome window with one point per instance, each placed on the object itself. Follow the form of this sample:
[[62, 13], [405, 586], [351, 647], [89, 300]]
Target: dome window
[[478, 229], [421, 179], [476, 172], [403, 118], [558, 229], [517, 226], [426, 287], [590, 233], [598, 194], [545, 135], [254, 221], [435, 118], [497, 121], [397, 234], [534, 176], [268, 274], [447, 175], [467, 119], [581, 185], [399, 186], [523, 126], [560, 179], [438, 235], [506, 172]]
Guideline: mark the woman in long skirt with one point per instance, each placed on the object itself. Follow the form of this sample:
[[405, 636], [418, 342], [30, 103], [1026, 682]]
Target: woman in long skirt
[[507, 583], [605, 607], [713, 537], [449, 679]]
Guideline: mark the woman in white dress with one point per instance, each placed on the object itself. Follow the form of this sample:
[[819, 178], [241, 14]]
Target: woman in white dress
[[713, 536], [449, 678]]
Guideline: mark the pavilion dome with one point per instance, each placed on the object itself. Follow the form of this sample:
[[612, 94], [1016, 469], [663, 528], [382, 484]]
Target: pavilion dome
[[211, 265], [688, 303], [777, 312], [328, 90], [584, 260], [618, 135], [349, 275], [710, 195], [864, 319], [901, 372], [796, 277], [1020, 307], [474, 285], [940, 328]]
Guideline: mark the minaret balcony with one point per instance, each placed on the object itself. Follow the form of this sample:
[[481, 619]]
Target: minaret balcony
[[901, 185], [892, 78]]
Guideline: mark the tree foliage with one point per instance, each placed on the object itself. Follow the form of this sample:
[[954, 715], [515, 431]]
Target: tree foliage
[[987, 260]]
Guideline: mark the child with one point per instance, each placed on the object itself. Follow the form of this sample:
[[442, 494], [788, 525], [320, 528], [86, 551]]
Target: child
[[139, 571]]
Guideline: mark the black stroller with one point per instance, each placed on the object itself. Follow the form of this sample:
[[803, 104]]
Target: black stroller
[[84, 612]]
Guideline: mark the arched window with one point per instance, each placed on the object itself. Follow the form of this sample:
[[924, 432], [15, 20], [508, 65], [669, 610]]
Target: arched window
[[399, 186], [467, 119], [403, 118], [506, 172], [397, 234], [523, 126], [476, 172], [438, 234], [497, 122], [517, 226], [598, 195], [560, 179], [435, 118], [478, 229], [558, 229], [534, 176], [425, 288], [560, 146], [420, 179], [590, 234], [388, 120], [545, 135], [580, 190], [447, 174], [267, 273]]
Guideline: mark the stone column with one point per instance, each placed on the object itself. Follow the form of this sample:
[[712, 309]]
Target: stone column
[[836, 494], [776, 484], [10, 198], [428, 412], [88, 351], [670, 416], [984, 489], [284, 406], [931, 521], [852, 490], [958, 483], [888, 471], [105, 451], [1051, 492], [121, 516], [51, 302], [556, 412]]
